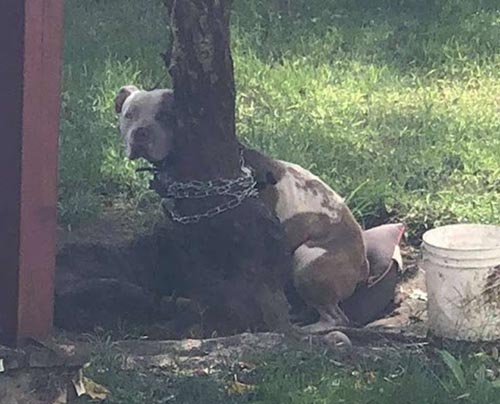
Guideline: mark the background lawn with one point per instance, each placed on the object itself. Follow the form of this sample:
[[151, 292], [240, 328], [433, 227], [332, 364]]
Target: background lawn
[[395, 103]]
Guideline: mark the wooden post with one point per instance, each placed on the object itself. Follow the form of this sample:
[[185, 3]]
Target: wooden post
[[30, 55]]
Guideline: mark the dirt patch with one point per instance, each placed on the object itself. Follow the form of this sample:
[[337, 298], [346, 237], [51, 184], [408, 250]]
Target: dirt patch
[[112, 270], [120, 274]]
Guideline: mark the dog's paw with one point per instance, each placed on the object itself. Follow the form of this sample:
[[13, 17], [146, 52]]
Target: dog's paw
[[338, 340], [320, 327]]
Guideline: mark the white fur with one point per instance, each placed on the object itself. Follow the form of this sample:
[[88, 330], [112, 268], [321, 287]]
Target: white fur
[[304, 255], [293, 200], [143, 106]]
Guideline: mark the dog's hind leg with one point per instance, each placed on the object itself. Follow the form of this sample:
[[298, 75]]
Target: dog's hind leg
[[325, 323], [336, 312], [330, 317]]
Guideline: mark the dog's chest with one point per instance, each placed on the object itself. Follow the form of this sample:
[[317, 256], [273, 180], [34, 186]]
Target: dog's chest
[[299, 191]]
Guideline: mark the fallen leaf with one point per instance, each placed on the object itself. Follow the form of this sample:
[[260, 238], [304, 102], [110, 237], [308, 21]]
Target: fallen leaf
[[94, 390], [238, 388], [87, 387], [78, 384], [61, 399]]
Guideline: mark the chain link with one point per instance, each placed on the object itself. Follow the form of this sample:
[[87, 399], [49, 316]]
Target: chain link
[[238, 189]]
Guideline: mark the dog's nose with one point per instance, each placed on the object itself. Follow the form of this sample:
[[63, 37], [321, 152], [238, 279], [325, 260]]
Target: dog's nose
[[140, 135]]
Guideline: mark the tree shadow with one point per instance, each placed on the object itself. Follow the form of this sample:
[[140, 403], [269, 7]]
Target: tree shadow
[[402, 34]]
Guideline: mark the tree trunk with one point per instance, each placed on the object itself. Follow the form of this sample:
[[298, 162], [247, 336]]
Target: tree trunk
[[202, 73], [237, 260]]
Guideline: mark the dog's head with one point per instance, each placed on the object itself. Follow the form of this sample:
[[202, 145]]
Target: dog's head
[[147, 122]]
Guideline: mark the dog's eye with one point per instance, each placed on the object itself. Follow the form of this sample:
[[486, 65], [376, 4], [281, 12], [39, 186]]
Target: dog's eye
[[128, 115]]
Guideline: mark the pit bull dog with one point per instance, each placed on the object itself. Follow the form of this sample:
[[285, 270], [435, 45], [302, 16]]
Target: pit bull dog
[[326, 241]]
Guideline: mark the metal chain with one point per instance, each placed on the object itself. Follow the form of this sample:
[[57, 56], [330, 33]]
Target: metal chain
[[238, 189]]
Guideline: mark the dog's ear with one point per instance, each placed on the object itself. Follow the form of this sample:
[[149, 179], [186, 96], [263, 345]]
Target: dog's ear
[[270, 178], [265, 180], [122, 95], [167, 101]]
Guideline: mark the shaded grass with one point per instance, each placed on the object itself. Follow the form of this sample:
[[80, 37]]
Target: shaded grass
[[394, 103], [390, 378], [107, 44], [314, 377]]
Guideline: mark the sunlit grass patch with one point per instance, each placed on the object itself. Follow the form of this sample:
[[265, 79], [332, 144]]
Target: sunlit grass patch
[[394, 104]]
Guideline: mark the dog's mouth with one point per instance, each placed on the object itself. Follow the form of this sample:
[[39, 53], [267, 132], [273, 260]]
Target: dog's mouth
[[137, 151]]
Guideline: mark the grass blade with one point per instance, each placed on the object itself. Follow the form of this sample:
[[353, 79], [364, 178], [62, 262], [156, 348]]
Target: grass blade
[[455, 366]]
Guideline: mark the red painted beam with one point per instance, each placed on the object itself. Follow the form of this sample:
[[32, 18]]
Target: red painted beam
[[30, 54]]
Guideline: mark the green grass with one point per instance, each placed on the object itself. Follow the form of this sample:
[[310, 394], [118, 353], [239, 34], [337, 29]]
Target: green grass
[[395, 103], [314, 377]]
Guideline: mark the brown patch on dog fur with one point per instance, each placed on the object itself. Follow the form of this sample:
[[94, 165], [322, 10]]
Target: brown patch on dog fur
[[166, 112], [306, 226], [295, 173], [265, 168], [333, 276], [317, 188], [327, 281], [122, 95]]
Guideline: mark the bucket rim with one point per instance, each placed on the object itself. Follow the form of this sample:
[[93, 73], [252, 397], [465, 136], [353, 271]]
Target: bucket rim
[[429, 233]]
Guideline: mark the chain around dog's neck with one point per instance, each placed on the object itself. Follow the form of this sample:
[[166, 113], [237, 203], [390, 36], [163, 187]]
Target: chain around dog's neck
[[238, 189]]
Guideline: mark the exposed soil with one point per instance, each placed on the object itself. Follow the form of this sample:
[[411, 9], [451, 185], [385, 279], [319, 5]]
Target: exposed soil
[[108, 272], [118, 274]]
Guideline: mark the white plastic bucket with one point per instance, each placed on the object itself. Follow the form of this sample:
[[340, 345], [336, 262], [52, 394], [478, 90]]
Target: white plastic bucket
[[462, 266]]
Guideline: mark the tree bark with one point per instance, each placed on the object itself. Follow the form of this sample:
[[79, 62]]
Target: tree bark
[[237, 261], [202, 73]]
